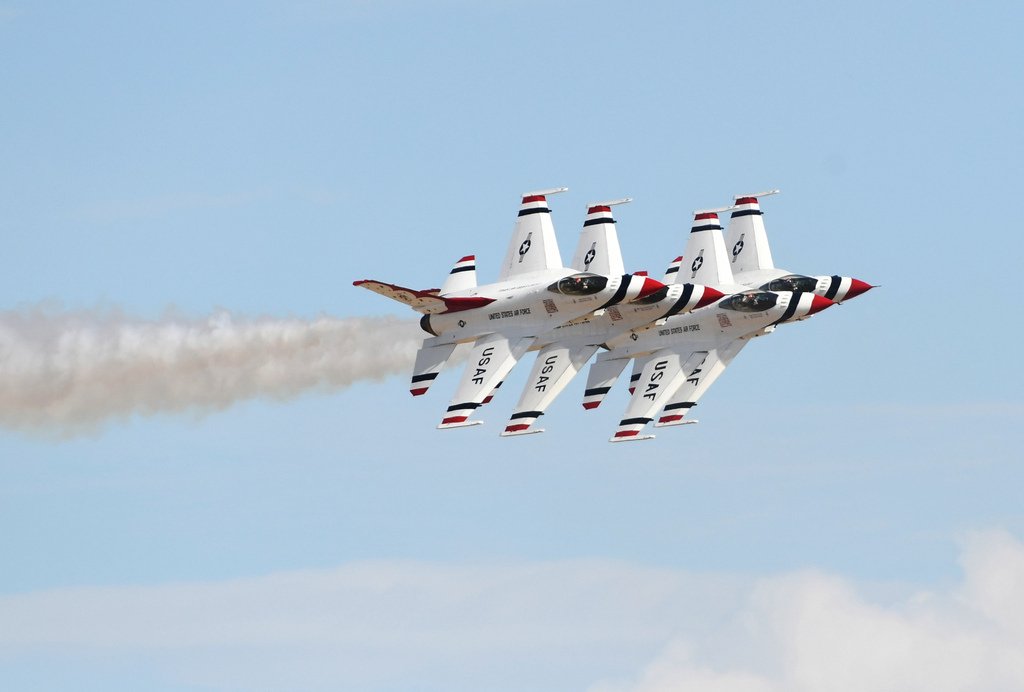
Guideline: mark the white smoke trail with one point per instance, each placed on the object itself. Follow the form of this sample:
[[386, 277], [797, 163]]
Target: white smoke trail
[[66, 372]]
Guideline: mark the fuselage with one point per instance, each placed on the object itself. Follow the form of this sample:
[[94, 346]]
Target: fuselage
[[536, 303], [742, 315]]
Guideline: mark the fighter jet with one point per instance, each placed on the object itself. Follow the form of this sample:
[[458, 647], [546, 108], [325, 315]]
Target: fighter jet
[[567, 348], [751, 257], [533, 295], [671, 357], [750, 265], [675, 377]]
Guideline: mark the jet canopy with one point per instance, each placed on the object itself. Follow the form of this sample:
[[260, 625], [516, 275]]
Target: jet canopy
[[791, 282], [750, 301], [582, 284]]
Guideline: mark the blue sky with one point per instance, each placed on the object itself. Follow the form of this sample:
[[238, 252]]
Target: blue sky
[[170, 162]]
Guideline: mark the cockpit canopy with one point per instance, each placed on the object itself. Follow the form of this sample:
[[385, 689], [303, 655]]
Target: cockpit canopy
[[582, 284], [792, 282], [750, 301]]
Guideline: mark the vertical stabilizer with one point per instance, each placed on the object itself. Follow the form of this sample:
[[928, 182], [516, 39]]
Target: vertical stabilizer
[[672, 272], [461, 277], [533, 246], [598, 249], [746, 237], [705, 260]]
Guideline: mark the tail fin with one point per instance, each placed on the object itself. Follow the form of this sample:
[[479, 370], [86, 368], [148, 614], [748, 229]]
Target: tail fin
[[705, 260], [598, 249], [533, 246], [746, 237], [672, 272], [461, 277]]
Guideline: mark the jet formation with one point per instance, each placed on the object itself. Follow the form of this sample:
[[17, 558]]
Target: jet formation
[[679, 334]]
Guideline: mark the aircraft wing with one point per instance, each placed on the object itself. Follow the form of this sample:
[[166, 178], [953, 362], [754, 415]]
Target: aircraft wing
[[533, 246], [553, 370], [659, 379], [490, 360], [701, 370]]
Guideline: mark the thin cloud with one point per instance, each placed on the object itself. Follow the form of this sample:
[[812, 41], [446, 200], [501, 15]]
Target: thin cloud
[[616, 626]]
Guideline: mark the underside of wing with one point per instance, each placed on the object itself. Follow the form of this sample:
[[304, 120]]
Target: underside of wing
[[490, 360], [659, 379], [700, 371], [553, 370]]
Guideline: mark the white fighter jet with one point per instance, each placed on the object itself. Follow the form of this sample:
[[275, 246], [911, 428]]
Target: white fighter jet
[[669, 357], [750, 264], [567, 348], [533, 295], [703, 345], [751, 257]]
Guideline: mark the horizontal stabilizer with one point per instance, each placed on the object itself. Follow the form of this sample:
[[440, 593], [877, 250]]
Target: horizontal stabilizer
[[430, 359], [428, 302], [603, 373]]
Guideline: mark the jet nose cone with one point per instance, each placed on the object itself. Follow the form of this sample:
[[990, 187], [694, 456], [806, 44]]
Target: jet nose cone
[[819, 303], [710, 296], [856, 288], [650, 286]]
